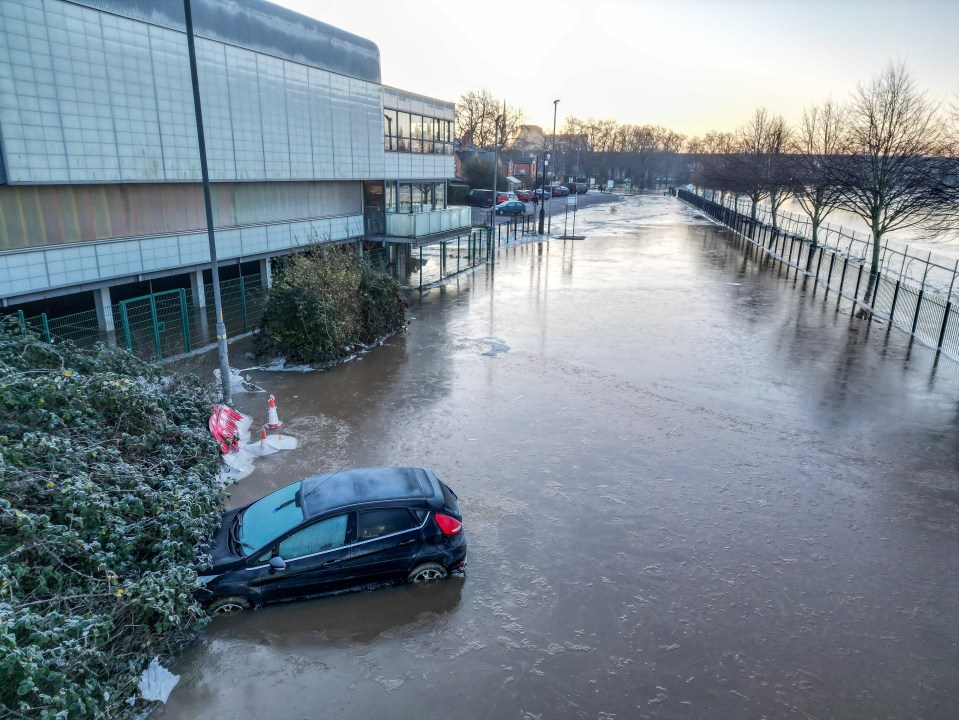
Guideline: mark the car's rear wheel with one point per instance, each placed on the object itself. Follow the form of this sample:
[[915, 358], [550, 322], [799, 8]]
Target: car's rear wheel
[[228, 605], [427, 573]]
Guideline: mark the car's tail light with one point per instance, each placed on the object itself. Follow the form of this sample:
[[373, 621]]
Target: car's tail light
[[449, 526]]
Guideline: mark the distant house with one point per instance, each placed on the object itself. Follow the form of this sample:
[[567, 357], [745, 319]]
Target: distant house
[[529, 139], [522, 167]]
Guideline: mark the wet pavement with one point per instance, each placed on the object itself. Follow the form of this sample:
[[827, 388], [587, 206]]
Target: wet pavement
[[692, 489]]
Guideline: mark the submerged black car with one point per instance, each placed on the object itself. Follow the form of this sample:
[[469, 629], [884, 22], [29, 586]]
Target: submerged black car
[[328, 533]]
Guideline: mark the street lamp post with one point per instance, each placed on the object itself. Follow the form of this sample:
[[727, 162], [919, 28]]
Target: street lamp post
[[553, 153], [496, 122], [221, 340], [542, 205]]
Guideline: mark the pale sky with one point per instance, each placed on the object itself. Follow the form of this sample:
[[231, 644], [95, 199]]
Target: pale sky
[[689, 65]]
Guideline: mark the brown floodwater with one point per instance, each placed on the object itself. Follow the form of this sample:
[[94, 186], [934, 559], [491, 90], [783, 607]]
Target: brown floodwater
[[692, 487]]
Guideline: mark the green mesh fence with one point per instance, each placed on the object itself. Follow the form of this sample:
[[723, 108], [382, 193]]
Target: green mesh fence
[[161, 325]]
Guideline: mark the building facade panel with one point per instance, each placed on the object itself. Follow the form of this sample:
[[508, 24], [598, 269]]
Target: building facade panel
[[111, 101], [40, 271], [100, 170]]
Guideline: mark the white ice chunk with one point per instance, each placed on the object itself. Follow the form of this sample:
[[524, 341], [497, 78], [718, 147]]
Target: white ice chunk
[[156, 682], [282, 442]]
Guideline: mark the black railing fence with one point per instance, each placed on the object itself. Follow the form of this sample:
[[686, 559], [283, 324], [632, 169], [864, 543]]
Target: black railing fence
[[911, 301]]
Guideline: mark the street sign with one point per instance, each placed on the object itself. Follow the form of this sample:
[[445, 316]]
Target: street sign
[[571, 201]]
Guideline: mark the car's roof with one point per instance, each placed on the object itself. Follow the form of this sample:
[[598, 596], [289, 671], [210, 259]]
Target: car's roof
[[321, 493]]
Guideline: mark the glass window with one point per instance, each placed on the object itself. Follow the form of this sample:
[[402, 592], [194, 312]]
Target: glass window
[[269, 517], [405, 201], [405, 132], [403, 140], [428, 134], [440, 195], [390, 197], [321, 536], [376, 523], [427, 192], [390, 129], [416, 123]]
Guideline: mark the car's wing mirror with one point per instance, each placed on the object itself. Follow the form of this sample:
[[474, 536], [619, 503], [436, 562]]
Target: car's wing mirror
[[277, 563]]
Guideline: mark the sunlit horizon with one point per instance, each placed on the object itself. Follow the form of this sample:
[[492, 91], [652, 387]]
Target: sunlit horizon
[[693, 67]]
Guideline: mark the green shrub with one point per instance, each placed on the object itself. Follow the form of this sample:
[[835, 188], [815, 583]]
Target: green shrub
[[107, 488], [323, 304]]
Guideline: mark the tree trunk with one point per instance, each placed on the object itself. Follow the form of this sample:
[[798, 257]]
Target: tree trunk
[[815, 241], [873, 273]]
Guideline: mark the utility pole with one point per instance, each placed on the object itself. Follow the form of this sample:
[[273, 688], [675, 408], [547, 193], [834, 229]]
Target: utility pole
[[217, 301]]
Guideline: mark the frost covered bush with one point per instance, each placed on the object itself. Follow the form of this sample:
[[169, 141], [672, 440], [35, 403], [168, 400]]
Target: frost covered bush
[[325, 302], [107, 489]]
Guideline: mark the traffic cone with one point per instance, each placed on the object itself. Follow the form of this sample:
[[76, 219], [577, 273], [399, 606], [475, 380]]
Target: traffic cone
[[274, 421], [263, 437]]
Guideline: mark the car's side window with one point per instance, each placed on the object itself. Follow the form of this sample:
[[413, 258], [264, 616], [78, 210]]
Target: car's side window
[[327, 534], [376, 523]]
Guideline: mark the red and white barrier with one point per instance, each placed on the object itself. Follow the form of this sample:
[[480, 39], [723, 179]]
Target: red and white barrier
[[223, 427]]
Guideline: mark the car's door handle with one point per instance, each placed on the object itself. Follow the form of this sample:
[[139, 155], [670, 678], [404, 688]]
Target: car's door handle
[[329, 562], [408, 542]]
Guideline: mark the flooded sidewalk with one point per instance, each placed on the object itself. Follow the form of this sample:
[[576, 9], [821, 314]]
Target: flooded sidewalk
[[691, 488]]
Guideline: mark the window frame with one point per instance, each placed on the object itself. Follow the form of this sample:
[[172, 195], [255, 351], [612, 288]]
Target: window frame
[[413, 520]]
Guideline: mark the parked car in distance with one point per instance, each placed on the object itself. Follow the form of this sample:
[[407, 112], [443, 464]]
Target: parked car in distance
[[582, 188], [335, 532], [563, 189], [524, 195], [511, 207], [558, 191], [484, 198]]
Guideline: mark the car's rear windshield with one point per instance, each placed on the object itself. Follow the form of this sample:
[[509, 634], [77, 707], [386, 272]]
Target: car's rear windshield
[[268, 517]]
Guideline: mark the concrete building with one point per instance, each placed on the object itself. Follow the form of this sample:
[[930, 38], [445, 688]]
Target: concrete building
[[100, 192]]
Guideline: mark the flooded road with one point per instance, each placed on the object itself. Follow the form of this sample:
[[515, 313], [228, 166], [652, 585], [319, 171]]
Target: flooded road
[[691, 489]]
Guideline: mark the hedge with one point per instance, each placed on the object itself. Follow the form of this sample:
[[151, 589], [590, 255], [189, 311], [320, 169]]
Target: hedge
[[325, 303], [107, 490]]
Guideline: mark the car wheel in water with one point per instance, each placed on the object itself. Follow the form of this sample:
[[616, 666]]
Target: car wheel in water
[[228, 605], [427, 573]]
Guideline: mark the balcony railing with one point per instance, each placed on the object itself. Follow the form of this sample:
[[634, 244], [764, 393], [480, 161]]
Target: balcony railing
[[429, 222]]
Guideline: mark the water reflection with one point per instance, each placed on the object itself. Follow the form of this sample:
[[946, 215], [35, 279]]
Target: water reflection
[[692, 489], [351, 620]]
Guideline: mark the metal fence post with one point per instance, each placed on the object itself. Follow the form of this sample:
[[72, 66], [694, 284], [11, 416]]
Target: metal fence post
[[421, 267], [185, 320], [832, 260], [945, 322], [125, 320], [46, 327], [156, 328], [23, 322], [855, 293], [915, 318], [243, 301], [892, 310]]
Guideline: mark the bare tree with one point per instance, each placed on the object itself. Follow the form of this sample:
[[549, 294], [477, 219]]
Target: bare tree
[[778, 169], [818, 142], [711, 164], [895, 156], [476, 114], [757, 168]]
